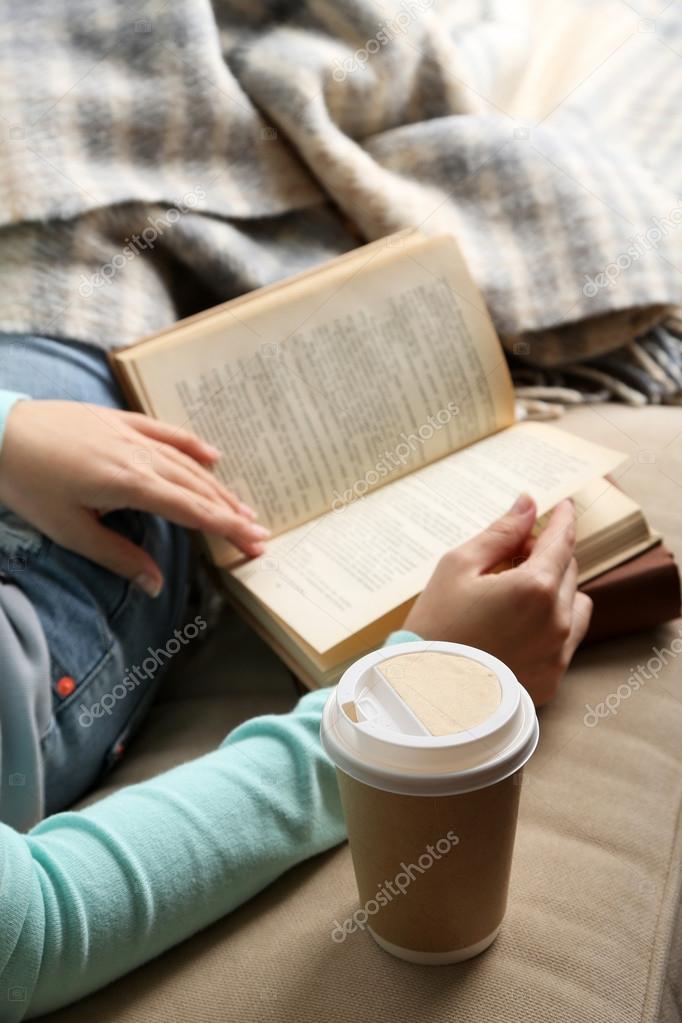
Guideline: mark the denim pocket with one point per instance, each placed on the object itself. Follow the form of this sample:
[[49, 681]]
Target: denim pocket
[[76, 600], [100, 629]]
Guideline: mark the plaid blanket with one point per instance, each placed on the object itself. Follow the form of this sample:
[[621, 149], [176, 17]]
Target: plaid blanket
[[160, 157]]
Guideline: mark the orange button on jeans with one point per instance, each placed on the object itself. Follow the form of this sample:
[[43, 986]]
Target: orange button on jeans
[[65, 686]]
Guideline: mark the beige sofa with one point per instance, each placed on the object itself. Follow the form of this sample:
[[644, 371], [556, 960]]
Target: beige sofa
[[592, 931]]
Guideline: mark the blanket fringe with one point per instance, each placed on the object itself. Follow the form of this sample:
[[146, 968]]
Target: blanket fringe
[[646, 371]]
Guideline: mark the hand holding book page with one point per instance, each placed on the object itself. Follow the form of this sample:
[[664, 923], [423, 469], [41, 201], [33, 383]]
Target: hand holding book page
[[329, 578], [304, 394]]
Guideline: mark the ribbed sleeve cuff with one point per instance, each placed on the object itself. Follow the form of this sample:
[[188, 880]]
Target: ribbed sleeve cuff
[[402, 636], [7, 400]]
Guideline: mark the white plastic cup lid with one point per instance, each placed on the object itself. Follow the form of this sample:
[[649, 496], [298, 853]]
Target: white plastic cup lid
[[373, 734]]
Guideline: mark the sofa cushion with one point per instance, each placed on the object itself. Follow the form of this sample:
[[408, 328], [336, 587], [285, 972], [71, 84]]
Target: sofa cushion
[[592, 928]]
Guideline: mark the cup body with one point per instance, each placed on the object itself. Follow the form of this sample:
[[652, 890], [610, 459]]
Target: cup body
[[432, 871]]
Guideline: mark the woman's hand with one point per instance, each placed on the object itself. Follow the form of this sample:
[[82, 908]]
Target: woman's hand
[[532, 617], [65, 463]]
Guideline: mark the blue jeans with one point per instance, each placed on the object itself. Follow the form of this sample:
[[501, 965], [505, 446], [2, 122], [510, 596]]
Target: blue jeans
[[109, 643]]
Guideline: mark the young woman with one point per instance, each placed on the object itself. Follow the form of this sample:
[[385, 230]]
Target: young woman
[[94, 561]]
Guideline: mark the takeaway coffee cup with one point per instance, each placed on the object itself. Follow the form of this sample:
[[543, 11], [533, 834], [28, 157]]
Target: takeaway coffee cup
[[429, 742]]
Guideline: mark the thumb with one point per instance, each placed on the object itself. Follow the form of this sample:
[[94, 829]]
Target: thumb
[[503, 538], [114, 552]]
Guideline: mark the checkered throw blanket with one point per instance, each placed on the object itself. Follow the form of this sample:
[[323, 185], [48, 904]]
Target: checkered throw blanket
[[164, 155]]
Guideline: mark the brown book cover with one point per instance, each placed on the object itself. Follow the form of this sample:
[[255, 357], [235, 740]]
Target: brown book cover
[[639, 594]]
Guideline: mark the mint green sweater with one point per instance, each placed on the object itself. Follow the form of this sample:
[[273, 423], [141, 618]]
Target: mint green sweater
[[87, 896]]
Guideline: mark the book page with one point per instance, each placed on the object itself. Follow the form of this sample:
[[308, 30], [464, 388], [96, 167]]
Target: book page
[[331, 577], [330, 388], [603, 512], [611, 527]]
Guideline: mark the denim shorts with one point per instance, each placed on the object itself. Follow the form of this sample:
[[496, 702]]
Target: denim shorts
[[109, 643]]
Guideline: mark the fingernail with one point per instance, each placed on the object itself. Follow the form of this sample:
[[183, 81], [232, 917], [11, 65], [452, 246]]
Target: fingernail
[[259, 532], [522, 504], [213, 452], [149, 584], [246, 509], [257, 549]]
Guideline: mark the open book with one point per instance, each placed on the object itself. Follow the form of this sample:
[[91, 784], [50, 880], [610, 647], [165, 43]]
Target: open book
[[365, 409]]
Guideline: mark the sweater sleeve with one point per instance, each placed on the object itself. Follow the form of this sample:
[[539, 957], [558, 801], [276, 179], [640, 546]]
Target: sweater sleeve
[[88, 896]]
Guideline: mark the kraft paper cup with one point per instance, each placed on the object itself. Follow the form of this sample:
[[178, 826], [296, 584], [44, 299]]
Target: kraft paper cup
[[429, 753]]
